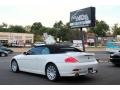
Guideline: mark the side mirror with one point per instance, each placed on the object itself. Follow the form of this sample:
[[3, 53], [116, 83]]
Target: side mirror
[[25, 53]]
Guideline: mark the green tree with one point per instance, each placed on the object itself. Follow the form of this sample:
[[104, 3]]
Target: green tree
[[16, 29], [37, 38], [100, 29], [116, 29], [3, 27], [65, 32], [59, 26], [53, 32], [28, 28], [36, 27]]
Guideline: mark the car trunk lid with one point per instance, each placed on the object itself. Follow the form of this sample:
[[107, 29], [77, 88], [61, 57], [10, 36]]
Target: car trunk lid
[[82, 56]]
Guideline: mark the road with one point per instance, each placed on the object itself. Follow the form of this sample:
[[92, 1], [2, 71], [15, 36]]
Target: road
[[107, 74]]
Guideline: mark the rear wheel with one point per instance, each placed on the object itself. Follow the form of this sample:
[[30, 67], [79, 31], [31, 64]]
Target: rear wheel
[[14, 66], [52, 72]]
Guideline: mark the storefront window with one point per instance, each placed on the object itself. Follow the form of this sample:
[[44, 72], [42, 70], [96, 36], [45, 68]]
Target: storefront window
[[28, 41]]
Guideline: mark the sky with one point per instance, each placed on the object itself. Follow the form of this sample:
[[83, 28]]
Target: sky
[[26, 12]]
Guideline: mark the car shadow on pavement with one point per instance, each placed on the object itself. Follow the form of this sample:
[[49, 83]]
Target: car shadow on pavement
[[33, 75], [110, 65], [114, 66], [81, 80]]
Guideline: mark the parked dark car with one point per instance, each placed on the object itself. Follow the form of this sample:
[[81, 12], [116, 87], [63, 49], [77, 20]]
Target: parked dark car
[[6, 49], [115, 58], [3, 53]]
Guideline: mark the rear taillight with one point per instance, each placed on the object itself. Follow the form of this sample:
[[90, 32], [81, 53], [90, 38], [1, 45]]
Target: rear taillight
[[71, 60]]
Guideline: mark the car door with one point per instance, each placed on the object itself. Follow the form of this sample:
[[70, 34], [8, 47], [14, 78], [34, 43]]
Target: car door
[[27, 62], [34, 59], [41, 58]]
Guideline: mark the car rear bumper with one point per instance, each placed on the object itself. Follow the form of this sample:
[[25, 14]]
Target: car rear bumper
[[76, 69]]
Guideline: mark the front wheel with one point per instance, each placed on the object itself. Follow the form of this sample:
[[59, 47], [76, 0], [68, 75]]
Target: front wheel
[[52, 72], [14, 66]]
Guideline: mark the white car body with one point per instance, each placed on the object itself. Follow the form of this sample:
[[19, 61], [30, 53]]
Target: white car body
[[37, 63]]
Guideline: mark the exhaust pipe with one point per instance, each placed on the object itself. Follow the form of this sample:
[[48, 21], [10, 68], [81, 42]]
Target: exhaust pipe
[[92, 72], [77, 74]]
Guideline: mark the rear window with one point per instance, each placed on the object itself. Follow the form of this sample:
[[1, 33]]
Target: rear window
[[57, 50]]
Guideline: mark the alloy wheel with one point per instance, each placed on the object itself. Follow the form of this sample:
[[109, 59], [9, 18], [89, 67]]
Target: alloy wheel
[[51, 72], [14, 66]]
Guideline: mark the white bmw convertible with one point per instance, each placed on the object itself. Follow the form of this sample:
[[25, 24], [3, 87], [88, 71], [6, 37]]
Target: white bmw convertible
[[55, 61]]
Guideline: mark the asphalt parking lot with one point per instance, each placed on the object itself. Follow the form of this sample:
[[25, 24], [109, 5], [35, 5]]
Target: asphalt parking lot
[[107, 74]]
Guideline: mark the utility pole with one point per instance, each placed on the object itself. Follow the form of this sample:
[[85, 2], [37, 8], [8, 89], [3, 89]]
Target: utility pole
[[82, 38]]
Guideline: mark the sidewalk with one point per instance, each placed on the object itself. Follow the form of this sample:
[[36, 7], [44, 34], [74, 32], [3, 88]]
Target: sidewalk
[[95, 49], [20, 49]]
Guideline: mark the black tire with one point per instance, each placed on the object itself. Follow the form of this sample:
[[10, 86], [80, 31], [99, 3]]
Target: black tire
[[52, 72], [14, 66], [3, 54]]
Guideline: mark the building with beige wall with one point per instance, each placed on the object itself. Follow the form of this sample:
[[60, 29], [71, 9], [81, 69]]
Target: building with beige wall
[[16, 39]]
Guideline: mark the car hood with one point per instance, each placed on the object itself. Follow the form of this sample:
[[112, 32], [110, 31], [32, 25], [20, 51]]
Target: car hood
[[18, 56], [116, 54], [3, 51]]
